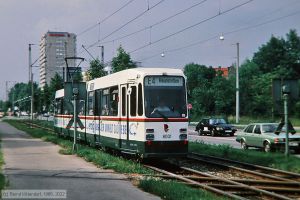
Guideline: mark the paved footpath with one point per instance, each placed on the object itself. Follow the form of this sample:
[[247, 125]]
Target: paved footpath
[[33, 164]]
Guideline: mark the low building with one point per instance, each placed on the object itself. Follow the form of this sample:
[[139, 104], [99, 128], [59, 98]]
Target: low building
[[224, 70]]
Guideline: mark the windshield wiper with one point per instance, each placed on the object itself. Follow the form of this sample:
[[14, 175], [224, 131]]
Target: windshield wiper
[[164, 116]]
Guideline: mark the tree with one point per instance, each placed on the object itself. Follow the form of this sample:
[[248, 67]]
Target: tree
[[77, 77], [280, 55], [224, 90], [46, 97], [56, 83], [122, 61], [199, 82], [293, 52], [96, 70], [195, 73], [270, 55]]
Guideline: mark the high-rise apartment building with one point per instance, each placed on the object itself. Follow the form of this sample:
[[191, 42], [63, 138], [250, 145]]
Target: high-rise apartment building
[[54, 47]]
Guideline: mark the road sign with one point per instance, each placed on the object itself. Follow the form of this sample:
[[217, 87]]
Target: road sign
[[189, 106]]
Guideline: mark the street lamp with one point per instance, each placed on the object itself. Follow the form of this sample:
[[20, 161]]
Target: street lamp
[[102, 54], [237, 102], [31, 81]]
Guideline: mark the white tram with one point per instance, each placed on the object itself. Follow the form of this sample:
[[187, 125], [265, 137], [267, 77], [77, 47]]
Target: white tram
[[140, 111]]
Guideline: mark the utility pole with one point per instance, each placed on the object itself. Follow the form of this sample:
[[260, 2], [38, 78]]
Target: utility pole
[[66, 67], [237, 109], [285, 92], [75, 94], [237, 89], [6, 89], [31, 81]]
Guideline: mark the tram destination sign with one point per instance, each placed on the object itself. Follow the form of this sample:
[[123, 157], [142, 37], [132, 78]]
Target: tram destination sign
[[163, 81]]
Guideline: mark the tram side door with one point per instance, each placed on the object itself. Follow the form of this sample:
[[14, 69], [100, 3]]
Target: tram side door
[[123, 133]]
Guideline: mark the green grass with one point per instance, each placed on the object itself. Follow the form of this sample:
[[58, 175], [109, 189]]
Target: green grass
[[2, 177], [172, 190], [275, 160]]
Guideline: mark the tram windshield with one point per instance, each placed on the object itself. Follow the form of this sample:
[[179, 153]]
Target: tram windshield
[[165, 97]]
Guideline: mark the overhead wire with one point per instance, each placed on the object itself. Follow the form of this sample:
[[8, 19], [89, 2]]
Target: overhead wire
[[192, 26], [121, 27], [155, 24], [106, 18], [226, 33]]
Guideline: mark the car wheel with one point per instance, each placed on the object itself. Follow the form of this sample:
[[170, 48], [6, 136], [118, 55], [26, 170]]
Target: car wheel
[[267, 147], [200, 132], [213, 133], [244, 145], [232, 134]]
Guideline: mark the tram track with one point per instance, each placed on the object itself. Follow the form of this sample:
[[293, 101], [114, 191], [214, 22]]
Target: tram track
[[246, 168], [232, 188], [260, 182]]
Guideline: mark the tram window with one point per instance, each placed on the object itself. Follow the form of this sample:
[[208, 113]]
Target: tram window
[[97, 102], [140, 100], [105, 102], [58, 106], [114, 100], [91, 103], [133, 101], [123, 101]]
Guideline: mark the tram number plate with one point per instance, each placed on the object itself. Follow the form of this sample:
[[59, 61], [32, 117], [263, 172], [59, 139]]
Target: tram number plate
[[167, 136]]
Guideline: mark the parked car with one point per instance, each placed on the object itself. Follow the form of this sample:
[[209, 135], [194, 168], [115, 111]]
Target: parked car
[[214, 127], [2, 113], [262, 135]]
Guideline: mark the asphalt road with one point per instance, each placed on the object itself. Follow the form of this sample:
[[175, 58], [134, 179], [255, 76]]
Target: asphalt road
[[227, 140], [36, 165], [230, 140]]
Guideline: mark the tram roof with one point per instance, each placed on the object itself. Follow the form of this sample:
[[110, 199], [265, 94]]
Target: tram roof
[[130, 75]]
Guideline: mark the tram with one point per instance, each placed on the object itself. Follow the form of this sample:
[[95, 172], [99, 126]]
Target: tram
[[140, 111]]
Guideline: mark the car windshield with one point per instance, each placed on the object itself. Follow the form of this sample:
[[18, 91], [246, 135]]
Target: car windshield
[[217, 121], [165, 97], [269, 128]]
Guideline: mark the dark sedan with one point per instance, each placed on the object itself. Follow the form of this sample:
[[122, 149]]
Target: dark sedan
[[214, 127]]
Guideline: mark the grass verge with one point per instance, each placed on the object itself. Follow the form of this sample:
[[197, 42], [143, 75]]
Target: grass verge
[[95, 156], [164, 189], [275, 160], [172, 190], [2, 177]]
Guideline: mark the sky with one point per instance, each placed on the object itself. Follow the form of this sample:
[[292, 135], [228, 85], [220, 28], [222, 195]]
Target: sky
[[184, 31]]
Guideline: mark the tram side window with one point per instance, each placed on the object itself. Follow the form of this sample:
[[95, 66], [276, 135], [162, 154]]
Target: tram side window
[[91, 103], [114, 101], [133, 101], [140, 100], [123, 101], [58, 106], [97, 110], [105, 102]]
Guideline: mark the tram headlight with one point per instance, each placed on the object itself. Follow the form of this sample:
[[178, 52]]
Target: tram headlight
[[183, 130], [150, 137], [183, 136], [149, 130]]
